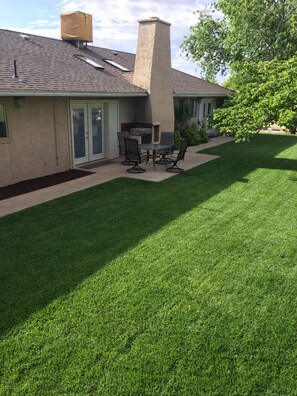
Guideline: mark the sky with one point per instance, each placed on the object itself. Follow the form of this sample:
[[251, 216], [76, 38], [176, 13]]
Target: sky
[[115, 23]]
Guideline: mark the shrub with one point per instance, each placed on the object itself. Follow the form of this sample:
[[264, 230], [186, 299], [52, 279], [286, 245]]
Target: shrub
[[194, 132], [203, 133], [177, 140]]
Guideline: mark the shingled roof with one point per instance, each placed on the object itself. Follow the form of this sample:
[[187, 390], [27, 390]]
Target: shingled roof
[[187, 85], [48, 66]]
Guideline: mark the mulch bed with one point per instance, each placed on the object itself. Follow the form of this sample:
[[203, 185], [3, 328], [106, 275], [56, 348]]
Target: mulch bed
[[40, 182]]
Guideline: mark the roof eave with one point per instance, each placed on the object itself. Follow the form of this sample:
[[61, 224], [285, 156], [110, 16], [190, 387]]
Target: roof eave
[[201, 95], [74, 94]]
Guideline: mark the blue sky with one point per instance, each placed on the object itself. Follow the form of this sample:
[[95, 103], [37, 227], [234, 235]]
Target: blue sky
[[115, 23]]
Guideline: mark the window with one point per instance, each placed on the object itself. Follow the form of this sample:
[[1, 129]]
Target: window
[[94, 64], [207, 108], [115, 64], [3, 123], [193, 108], [83, 58], [181, 104]]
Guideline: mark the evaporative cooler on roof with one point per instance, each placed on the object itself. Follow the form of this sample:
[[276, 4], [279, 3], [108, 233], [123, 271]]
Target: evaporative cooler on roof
[[76, 26]]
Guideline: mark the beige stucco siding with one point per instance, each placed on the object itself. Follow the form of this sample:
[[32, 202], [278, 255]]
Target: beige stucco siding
[[153, 72], [127, 110], [5, 171], [38, 142]]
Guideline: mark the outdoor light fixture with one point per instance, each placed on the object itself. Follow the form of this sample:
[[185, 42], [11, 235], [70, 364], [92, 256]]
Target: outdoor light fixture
[[19, 101]]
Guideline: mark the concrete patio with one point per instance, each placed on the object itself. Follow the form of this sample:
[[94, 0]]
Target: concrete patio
[[106, 172]]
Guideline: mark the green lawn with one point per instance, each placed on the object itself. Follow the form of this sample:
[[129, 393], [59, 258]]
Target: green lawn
[[184, 287]]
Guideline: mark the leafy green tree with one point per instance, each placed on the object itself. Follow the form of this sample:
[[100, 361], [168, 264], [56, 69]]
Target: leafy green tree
[[256, 41], [266, 92], [233, 32]]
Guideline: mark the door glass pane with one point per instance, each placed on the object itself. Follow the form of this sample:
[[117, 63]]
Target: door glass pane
[[209, 108], [204, 108], [78, 117], [96, 114]]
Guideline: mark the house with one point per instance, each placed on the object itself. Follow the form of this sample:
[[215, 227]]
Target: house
[[63, 101]]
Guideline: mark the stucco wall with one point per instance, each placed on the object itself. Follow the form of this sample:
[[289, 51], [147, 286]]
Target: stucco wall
[[38, 142], [153, 72], [127, 109]]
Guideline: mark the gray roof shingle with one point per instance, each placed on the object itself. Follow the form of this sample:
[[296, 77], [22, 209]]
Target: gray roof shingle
[[46, 65], [185, 84]]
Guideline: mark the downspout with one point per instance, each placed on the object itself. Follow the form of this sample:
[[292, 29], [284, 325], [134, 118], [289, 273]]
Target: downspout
[[69, 134], [10, 163]]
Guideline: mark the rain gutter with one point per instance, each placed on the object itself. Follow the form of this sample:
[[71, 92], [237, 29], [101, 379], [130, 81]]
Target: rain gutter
[[75, 94]]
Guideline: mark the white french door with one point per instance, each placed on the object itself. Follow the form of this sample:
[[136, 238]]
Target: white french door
[[87, 132]]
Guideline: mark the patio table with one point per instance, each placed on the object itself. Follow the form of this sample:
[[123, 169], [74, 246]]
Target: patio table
[[154, 147]]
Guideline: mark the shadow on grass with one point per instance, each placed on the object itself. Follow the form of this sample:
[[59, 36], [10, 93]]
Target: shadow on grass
[[48, 250]]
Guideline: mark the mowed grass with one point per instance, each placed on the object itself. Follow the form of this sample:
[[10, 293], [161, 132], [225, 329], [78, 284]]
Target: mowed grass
[[185, 287]]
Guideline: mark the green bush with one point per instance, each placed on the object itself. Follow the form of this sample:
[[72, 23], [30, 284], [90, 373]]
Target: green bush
[[194, 132], [203, 133], [177, 140]]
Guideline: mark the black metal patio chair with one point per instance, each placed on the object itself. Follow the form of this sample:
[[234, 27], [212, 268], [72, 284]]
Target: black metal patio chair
[[174, 168], [167, 138], [121, 138], [133, 155]]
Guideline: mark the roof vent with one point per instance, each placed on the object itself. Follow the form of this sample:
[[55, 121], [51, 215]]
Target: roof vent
[[24, 37], [15, 76]]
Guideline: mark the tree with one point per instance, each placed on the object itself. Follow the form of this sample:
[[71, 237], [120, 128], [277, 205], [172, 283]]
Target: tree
[[266, 92], [256, 40], [234, 32]]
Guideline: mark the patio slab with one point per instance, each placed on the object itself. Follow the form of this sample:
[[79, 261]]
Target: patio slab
[[103, 173]]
